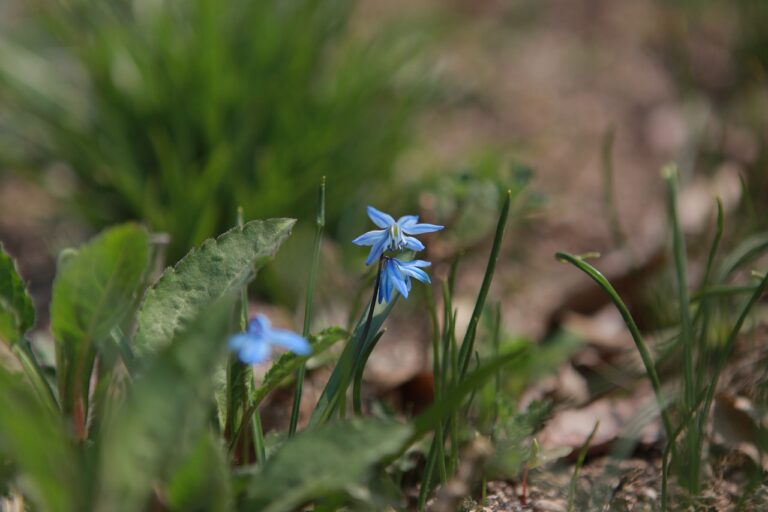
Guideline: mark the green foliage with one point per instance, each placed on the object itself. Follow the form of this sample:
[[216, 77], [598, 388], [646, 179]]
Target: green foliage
[[93, 293], [331, 458], [349, 362], [288, 363], [164, 414], [512, 437], [216, 269], [703, 348], [17, 314], [174, 112], [202, 482], [35, 441]]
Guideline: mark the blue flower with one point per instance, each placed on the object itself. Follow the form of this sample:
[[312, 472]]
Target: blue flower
[[255, 345], [397, 274], [393, 235]]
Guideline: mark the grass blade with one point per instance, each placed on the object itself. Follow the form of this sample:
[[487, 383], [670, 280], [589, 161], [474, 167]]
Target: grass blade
[[577, 467], [645, 354], [467, 346], [314, 266]]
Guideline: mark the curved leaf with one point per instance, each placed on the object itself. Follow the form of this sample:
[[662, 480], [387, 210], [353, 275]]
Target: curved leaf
[[204, 275]]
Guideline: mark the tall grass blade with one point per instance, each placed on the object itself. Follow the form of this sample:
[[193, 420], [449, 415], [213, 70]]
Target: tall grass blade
[[579, 463], [467, 346], [642, 348], [686, 330], [314, 266]]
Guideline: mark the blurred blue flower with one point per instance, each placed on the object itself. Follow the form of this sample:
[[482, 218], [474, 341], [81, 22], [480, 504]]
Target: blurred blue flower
[[397, 274], [255, 345], [393, 235]]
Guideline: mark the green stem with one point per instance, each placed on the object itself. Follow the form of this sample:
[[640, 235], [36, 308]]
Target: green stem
[[258, 438], [300, 373], [350, 363], [34, 373]]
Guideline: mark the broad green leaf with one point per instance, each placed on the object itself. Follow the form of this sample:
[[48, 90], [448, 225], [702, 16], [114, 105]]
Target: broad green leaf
[[207, 273], [333, 458], [93, 292], [202, 482], [35, 441], [17, 314], [156, 429]]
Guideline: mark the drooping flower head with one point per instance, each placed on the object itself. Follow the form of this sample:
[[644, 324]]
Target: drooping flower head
[[255, 345], [396, 275], [395, 236]]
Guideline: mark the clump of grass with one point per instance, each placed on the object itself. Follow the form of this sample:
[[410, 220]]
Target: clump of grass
[[704, 351], [175, 112]]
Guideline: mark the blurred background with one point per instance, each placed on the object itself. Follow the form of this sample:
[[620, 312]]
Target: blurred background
[[174, 113]]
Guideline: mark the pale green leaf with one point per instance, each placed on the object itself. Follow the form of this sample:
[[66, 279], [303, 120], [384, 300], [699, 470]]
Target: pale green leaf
[[216, 268], [94, 291]]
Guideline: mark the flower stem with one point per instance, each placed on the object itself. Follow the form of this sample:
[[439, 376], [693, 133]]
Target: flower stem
[[351, 363], [376, 286]]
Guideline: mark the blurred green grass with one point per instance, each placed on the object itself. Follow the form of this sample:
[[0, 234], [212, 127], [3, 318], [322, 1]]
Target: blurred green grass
[[175, 113]]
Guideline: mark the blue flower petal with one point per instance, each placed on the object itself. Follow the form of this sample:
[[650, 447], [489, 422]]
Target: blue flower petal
[[371, 237], [401, 285], [407, 220], [290, 341], [238, 341], [380, 218], [418, 229], [411, 269], [377, 250], [413, 244], [255, 352], [386, 284], [259, 325], [417, 274]]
